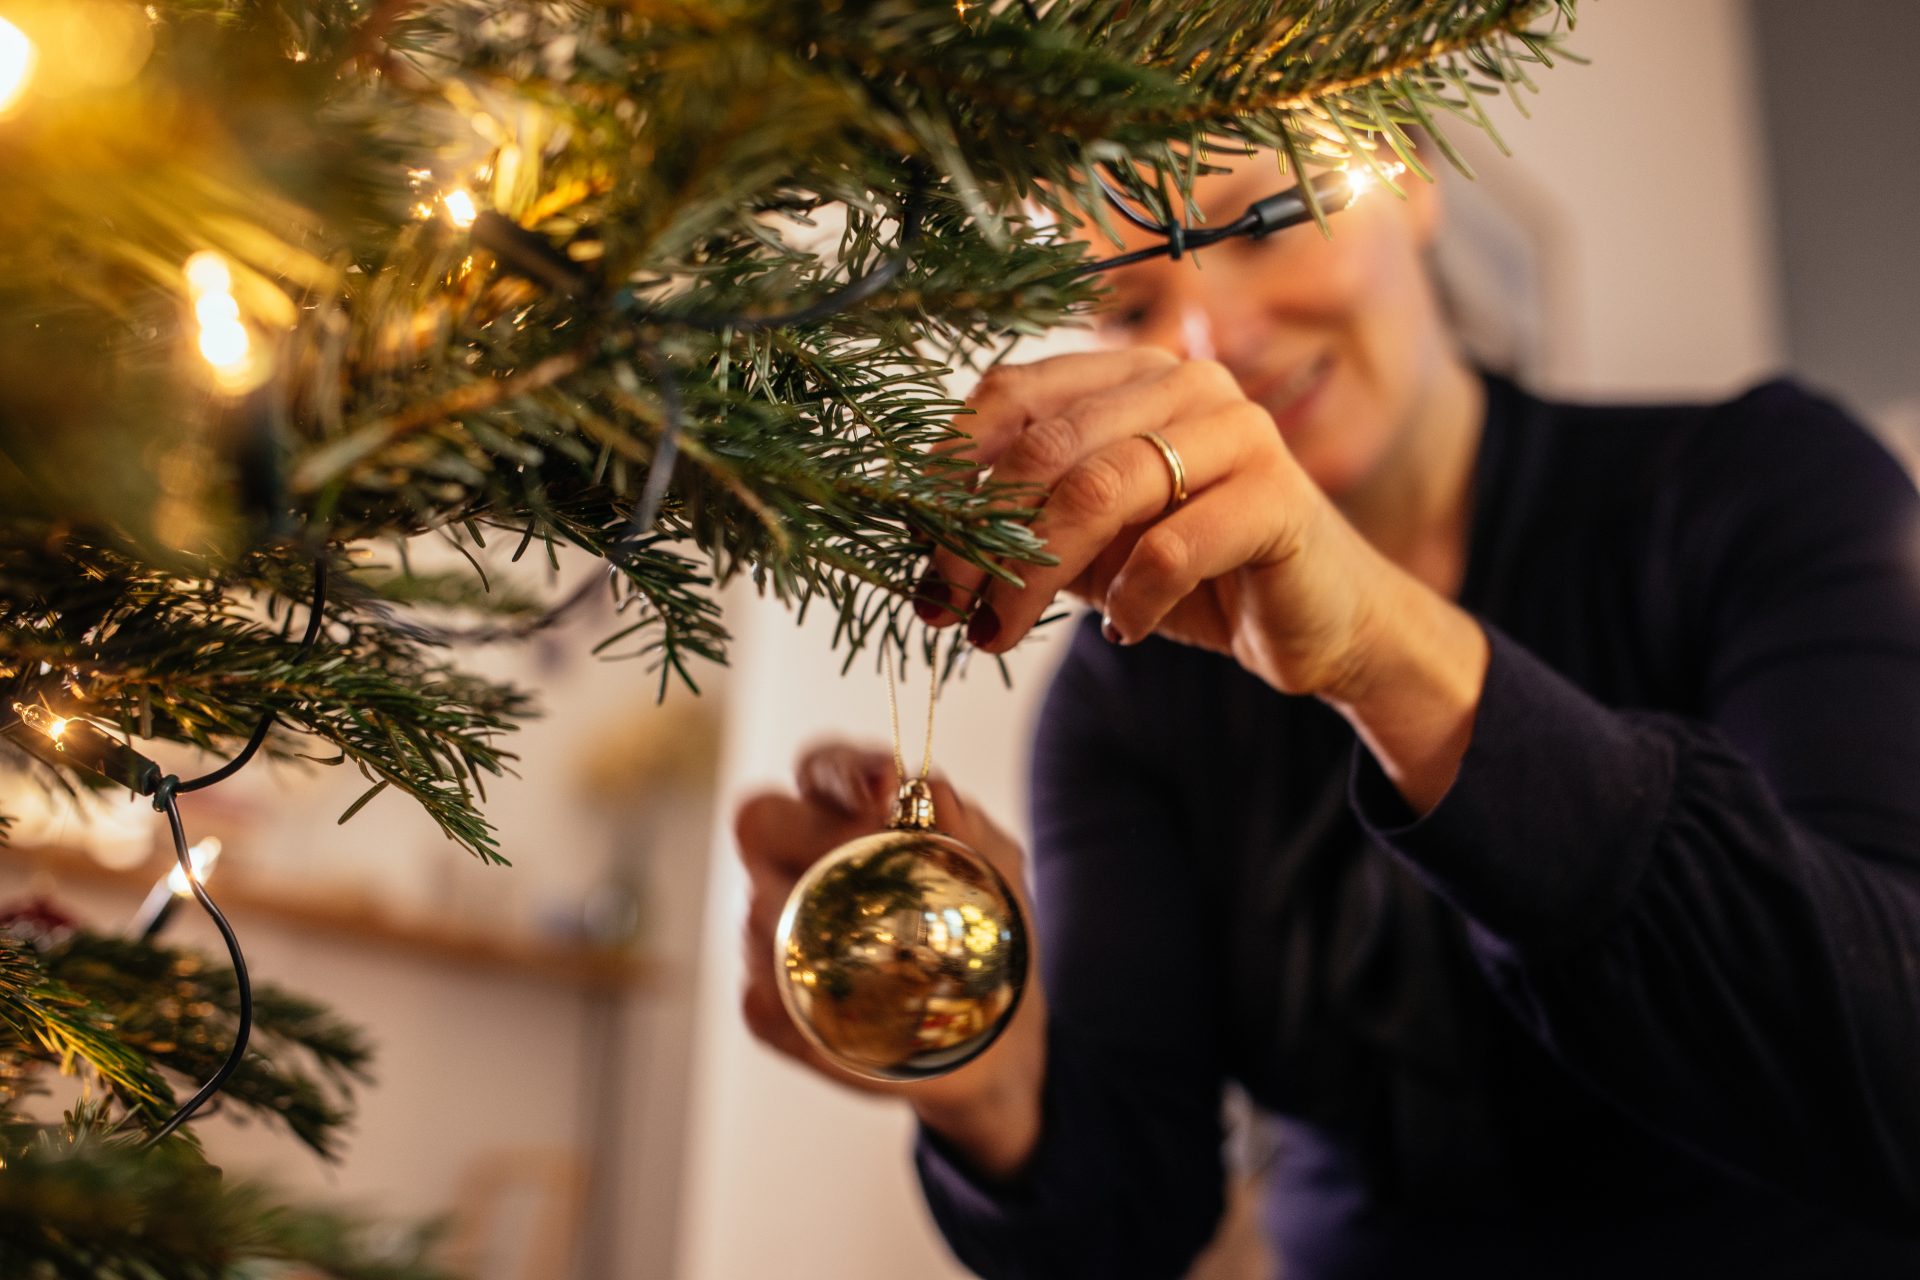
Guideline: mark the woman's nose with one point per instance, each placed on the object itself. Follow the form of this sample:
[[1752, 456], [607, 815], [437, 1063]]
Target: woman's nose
[[1205, 328]]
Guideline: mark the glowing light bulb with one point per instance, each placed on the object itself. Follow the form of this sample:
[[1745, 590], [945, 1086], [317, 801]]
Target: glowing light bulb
[[460, 207], [224, 343], [38, 717], [1361, 177], [226, 347], [207, 273], [17, 59], [202, 856]]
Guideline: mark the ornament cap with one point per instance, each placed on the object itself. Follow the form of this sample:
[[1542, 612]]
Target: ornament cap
[[912, 806]]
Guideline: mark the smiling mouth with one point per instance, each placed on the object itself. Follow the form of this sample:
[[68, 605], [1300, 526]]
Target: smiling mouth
[[1282, 393]]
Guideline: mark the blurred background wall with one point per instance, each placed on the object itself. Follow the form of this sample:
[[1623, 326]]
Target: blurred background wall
[[561, 1058], [1844, 210]]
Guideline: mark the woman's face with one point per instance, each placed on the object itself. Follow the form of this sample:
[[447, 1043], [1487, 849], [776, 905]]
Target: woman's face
[[1337, 339]]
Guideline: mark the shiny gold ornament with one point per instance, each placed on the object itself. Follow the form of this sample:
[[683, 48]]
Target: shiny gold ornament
[[902, 955]]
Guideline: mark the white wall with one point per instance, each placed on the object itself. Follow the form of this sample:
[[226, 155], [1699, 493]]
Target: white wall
[[1646, 163]]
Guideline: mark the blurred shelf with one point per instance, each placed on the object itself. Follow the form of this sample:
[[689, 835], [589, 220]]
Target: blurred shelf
[[364, 920]]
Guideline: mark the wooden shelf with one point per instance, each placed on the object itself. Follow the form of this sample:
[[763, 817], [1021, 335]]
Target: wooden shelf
[[366, 921]]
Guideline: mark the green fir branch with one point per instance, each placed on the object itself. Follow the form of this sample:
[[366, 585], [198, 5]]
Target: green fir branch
[[680, 159], [100, 1209]]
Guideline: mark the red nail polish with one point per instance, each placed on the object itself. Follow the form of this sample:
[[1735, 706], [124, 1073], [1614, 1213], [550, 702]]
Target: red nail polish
[[984, 626], [1111, 632], [933, 598]]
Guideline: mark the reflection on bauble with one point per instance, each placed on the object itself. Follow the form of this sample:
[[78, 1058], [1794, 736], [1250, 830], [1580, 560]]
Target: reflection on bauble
[[902, 955]]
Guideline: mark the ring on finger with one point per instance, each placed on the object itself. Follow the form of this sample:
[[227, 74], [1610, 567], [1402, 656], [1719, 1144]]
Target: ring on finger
[[1176, 469]]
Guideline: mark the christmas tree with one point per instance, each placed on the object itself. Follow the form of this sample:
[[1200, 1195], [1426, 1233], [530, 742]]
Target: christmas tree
[[287, 286]]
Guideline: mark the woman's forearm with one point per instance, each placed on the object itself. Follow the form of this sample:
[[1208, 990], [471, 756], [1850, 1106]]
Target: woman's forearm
[[1413, 696]]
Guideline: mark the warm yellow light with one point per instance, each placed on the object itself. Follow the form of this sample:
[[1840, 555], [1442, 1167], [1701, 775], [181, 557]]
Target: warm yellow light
[[212, 309], [226, 347], [207, 273], [224, 342], [460, 207], [38, 717], [1361, 177], [17, 59], [202, 856]]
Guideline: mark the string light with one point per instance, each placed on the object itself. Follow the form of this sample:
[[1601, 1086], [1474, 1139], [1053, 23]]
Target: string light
[[200, 857], [38, 717], [460, 208], [1362, 178], [173, 888], [18, 56], [224, 342], [85, 744], [1332, 191]]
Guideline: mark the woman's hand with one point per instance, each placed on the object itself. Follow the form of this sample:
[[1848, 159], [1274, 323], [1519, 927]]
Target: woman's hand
[[989, 1108], [1257, 564]]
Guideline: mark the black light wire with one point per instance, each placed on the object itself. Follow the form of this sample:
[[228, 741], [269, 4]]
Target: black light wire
[[165, 801], [316, 611], [1332, 193], [165, 792]]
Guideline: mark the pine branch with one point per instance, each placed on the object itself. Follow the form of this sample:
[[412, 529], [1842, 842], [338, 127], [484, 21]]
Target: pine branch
[[43, 1019], [98, 1209], [172, 1009], [157, 658], [669, 162]]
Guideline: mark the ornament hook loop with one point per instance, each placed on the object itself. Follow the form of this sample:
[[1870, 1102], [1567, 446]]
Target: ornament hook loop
[[912, 806]]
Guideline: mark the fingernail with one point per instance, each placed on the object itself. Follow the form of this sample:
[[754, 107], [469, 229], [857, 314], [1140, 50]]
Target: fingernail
[[933, 598], [856, 786], [1111, 632], [984, 626]]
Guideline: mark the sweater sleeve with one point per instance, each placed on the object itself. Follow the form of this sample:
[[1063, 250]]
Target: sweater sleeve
[[1714, 920], [1127, 1178]]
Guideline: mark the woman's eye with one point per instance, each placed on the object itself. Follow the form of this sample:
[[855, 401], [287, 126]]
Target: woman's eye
[[1124, 317]]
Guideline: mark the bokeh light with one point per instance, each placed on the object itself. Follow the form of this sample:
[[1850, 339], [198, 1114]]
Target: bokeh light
[[72, 46], [224, 341], [18, 57], [460, 207]]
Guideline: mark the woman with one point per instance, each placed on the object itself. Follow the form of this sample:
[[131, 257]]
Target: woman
[[1518, 799]]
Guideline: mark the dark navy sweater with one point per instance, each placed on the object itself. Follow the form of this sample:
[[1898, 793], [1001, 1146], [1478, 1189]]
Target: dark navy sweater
[[1640, 996]]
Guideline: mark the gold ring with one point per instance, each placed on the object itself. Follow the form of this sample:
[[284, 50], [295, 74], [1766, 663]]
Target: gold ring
[[1176, 469]]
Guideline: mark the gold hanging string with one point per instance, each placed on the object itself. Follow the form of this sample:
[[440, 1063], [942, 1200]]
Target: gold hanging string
[[893, 714]]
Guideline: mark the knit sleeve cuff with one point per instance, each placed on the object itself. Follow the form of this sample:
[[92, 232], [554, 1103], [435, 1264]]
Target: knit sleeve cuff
[[1552, 817]]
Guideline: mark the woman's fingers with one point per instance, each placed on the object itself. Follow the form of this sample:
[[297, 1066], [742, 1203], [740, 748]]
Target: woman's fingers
[[854, 780], [786, 833], [1053, 416], [1127, 482], [1010, 396], [1211, 536]]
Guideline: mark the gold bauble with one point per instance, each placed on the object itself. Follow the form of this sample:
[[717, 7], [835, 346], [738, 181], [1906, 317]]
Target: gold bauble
[[902, 955]]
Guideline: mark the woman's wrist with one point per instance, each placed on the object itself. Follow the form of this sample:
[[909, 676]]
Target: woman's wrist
[[1413, 688], [993, 1118]]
